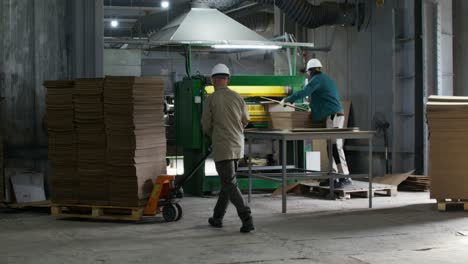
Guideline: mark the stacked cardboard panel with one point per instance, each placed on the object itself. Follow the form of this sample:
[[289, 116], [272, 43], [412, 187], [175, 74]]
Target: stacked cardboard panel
[[136, 142], [415, 183], [290, 120], [62, 141], [447, 119], [91, 141]]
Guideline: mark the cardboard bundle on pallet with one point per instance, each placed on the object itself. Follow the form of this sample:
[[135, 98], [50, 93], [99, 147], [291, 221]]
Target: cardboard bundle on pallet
[[91, 141], [447, 119], [136, 142], [62, 141]]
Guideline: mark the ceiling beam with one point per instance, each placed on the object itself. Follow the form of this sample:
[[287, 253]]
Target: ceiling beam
[[121, 20], [117, 33], [135, 8]]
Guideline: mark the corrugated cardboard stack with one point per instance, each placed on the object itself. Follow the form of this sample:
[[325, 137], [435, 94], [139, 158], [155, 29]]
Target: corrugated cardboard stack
[[136, 142], [447, 119], [91, 141], [290, 120], [62, 141]]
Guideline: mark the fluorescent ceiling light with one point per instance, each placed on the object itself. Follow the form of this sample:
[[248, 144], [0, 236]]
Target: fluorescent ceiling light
[[240, 46], [165, 4], [114, 23]]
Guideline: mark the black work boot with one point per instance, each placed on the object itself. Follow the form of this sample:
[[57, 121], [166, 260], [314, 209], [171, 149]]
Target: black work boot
[[215, 222], [247, 221], [247, 225], [346, 181], [338, 184]]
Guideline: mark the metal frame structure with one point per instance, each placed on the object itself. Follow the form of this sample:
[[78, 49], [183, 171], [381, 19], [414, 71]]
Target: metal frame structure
[[190, 95], [289, 135]]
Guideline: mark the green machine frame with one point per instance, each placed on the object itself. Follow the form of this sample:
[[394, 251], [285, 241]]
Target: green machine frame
[[189, 97]]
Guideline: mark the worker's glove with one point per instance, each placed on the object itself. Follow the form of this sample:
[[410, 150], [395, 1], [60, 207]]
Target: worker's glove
[[283, 103]]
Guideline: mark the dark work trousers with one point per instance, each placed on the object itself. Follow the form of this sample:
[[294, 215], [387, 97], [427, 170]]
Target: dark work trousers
[[229, 191]]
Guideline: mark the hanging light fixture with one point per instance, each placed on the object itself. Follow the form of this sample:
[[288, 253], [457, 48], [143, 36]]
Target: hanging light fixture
[[114, 23], [165, 4]]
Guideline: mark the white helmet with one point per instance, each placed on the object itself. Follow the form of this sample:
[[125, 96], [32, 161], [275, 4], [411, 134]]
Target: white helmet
[[220, 69], [313, 63]]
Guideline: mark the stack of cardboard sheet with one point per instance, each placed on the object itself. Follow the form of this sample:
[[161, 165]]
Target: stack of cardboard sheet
[[62, 141], [447, 119], [136, 142], [91, 141], [290, 120], [415, 183]]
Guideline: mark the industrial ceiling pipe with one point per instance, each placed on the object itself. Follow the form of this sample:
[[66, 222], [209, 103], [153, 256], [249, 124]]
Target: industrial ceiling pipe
[[218, 4], [313, 16]]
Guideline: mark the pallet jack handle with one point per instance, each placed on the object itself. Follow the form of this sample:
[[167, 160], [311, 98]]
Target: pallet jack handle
[[179, 182]]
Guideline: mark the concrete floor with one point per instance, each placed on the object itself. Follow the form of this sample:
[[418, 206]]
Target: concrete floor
[[402, 229]]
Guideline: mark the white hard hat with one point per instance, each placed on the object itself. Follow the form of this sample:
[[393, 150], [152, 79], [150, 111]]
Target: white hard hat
[[220, 69], [314, 63]]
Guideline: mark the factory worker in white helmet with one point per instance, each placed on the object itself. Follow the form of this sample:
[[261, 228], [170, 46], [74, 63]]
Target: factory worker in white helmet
[[224, 118], [325, 105]]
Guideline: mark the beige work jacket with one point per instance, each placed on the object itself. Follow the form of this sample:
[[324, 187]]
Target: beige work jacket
[[224, 118]]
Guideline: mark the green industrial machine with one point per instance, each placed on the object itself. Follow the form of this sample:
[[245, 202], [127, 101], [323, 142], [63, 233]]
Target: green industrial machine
[[190, 94]]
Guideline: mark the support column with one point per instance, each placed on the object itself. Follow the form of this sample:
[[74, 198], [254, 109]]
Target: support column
[[87, 38]]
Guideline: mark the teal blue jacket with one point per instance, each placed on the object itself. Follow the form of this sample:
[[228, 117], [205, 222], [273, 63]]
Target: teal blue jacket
[[323, 96]]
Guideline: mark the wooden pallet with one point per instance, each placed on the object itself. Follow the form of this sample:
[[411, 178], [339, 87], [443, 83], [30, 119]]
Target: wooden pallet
[[97, 212], [357, 189], [449, 204], [41, 204]]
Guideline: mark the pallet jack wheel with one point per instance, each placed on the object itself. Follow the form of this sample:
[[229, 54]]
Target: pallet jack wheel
[[170, 213], [179, 210]]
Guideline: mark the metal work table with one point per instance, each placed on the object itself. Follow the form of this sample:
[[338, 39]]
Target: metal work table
[[299, 135]]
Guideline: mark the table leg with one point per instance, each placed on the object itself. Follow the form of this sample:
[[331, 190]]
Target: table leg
[[370, 173], [295, 154], [283, 176], [330, 169], [249, 142]]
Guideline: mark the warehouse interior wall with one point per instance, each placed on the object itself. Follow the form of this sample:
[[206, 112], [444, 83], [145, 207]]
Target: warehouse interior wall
[[376, 70], [125, 62], [361, 63], [41, 40], [460, 52]]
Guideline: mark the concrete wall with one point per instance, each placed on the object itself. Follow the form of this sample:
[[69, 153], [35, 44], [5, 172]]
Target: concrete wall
[[361, 63], [86, 37], [33, 48], [376, 69], [41, 40], [460, 42], [119, 62]]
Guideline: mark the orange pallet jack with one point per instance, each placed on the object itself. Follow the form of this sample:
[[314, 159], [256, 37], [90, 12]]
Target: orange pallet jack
[[167, 193]]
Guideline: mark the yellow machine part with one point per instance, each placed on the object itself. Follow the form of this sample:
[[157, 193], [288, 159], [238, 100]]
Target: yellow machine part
[[251, 91], [257, 113]]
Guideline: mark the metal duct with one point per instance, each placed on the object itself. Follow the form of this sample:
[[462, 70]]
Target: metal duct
[[218, 4], [259, 22], [313, 16]]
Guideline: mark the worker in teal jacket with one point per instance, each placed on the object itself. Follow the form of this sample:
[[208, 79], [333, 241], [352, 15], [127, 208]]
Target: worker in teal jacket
[[325, 104]]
